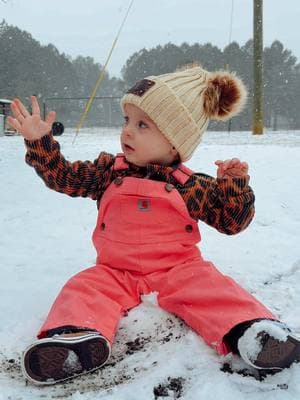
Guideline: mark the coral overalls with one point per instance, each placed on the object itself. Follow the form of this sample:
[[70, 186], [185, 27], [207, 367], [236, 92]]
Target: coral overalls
[[146, 241]]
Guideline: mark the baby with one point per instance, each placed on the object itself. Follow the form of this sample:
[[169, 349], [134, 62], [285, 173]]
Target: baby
[[147, 229]]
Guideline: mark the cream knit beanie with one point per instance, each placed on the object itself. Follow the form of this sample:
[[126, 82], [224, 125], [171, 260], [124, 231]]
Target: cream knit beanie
[[182, 103]]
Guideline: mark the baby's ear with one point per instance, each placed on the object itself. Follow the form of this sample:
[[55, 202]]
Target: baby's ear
[[174, 153], [224, 96]]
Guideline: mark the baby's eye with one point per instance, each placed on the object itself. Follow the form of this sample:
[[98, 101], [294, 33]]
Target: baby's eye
[[142, 124], [126, 119]]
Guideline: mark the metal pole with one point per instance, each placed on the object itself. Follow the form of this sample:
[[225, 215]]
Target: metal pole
[[258, 118]]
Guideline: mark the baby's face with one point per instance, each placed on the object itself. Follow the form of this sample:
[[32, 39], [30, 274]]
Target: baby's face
[[141, 140]]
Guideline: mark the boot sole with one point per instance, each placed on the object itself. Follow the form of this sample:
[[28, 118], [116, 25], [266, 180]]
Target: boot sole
[[52, 360], [278, 355]]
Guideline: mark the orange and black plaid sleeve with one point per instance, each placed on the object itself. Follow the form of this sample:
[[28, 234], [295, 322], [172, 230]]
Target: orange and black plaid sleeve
[[79, 178], [225, 204]]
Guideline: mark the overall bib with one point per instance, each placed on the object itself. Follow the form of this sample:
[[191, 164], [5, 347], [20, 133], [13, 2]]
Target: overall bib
[[146, 241]]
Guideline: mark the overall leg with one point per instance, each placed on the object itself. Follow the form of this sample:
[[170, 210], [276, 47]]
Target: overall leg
[[94, 299], [211, 303]]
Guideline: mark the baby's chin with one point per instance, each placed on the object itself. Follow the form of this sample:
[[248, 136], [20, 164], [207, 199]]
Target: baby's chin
[[132, 157], [133, 160], [138, 164]]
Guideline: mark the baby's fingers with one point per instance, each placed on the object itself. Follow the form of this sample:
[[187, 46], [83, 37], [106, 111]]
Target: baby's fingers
[[14, 123], [35, 106], [245, 167], [16, 112], [235, 162], [226, 164], [50, 118], [22, 109]]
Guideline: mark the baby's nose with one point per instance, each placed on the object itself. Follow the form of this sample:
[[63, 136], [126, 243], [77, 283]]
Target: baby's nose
[[127, 131]]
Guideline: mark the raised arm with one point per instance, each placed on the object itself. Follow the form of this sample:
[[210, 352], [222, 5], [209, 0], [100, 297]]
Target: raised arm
[[86, 179]]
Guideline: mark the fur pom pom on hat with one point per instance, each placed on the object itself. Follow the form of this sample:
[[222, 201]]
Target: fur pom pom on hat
[[182, 103], [224, 96]]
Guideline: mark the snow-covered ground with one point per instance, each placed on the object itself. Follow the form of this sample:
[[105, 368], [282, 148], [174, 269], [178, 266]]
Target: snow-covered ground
[[46, 237]]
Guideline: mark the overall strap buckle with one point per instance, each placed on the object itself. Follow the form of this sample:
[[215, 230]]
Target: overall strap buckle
[[182, 174], [120, 163]]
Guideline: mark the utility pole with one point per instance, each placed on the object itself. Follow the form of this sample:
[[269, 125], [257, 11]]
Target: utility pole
[[258, 118]]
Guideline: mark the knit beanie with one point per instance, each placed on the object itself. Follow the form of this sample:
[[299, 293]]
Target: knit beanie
[[182, 103]]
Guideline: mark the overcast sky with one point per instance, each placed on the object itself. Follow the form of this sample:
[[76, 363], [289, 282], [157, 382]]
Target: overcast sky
[[88, 27]]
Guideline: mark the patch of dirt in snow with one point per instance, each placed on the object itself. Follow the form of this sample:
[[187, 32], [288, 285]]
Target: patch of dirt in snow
[[10, 367], [173, 387], [235, 366], [122, 366]]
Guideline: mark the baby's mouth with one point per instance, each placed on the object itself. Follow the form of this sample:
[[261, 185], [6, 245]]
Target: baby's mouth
[[127, 147]]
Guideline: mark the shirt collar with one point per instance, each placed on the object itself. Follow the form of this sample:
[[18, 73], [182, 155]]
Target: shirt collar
[[154, 169]]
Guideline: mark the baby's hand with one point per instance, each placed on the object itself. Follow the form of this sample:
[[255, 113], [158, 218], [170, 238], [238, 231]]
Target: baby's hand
[[31, 126], [231, 168]]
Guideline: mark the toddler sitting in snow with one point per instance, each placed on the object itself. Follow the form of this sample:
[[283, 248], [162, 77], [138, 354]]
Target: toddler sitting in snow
[[147, 229]]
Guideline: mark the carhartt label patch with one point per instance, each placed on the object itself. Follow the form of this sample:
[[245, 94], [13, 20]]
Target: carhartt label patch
[[141, 87], [144, 204]]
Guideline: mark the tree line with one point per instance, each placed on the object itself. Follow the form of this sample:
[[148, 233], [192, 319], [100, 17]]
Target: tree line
[[27, 67]]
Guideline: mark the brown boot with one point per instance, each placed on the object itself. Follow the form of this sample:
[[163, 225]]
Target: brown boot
[[60, 357], [269, 345]]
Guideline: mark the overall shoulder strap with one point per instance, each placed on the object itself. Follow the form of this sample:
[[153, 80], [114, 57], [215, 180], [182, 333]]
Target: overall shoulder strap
[[182, 174], [120, 162]]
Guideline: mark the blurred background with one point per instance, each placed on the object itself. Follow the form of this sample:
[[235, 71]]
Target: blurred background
[[56, 50]]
